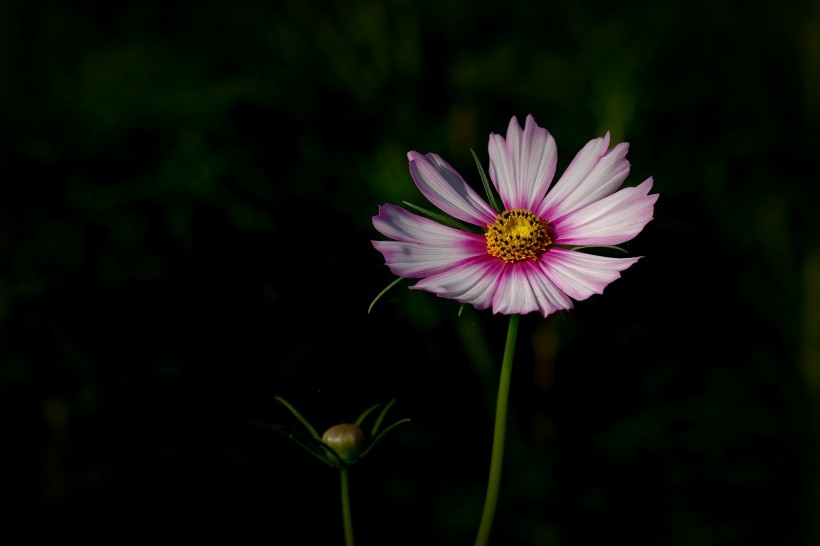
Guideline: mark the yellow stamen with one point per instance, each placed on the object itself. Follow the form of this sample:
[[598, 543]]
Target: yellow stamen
[[517, 235]]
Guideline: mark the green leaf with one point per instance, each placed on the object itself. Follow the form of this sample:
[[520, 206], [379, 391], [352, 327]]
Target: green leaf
[[593, 246], [315, 447], [381, 435], [446, 220], [301, 419], [378, 422], [365, 413], [487, 188], [383, 292]]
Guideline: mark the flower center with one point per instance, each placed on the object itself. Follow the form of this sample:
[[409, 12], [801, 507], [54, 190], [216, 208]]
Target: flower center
[[517, 235]]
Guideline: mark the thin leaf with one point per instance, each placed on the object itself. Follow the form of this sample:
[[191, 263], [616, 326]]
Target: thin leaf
[[378, 422], [299, 416], [315, 447], [487, 188], [383, 292], [446, 220], [381, 435], [611, 247], [365, 413]]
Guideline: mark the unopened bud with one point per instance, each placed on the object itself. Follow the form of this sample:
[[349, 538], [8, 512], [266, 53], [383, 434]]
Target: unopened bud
[[346, 440]]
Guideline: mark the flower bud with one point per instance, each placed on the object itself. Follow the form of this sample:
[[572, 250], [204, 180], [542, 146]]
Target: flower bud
[[346, 440]]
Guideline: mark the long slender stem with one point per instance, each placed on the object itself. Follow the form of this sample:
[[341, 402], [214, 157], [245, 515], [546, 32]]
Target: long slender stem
[[348, 521], [498, 435]]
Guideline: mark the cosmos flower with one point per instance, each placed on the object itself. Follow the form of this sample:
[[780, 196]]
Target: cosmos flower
[[524, 258]]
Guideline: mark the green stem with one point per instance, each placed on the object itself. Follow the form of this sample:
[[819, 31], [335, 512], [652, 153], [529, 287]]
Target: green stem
[[498, 435], [348, 521]]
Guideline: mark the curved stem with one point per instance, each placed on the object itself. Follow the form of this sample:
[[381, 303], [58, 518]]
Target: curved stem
[[348, 521], [498, 435]]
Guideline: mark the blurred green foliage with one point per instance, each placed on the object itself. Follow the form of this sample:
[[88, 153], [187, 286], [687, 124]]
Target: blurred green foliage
[[185, 234]]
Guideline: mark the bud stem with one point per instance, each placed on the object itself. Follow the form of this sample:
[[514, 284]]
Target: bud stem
[[498, 435], [348, 520]]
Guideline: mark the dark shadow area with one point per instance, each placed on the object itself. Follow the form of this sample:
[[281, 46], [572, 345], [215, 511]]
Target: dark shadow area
[[185, 233]]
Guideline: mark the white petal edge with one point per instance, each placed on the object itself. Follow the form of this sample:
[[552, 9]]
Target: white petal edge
[[472, 282], [414, 260], [593, 174], [447, 190], [401, 225], [525, 289], [522, 166], [580, 275], [610, 221]]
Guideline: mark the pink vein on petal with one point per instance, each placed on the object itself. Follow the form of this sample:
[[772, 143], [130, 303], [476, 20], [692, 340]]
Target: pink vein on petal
[[610, 221], [413, 260], [593, 174], [580, 275], [401, 225], [472, 281], [526, 289], [522, 166], [447, 190]]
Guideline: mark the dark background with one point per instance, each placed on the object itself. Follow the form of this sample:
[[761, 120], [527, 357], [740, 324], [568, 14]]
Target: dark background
[[185, 227]]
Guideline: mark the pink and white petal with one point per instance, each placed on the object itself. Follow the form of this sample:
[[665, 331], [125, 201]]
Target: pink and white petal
[[414, 260], [580, 275], [401, 225], [447, 190], [610, 221], [522, 167], [593, 174], [524, 289], [514, 295], [472, 281]]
